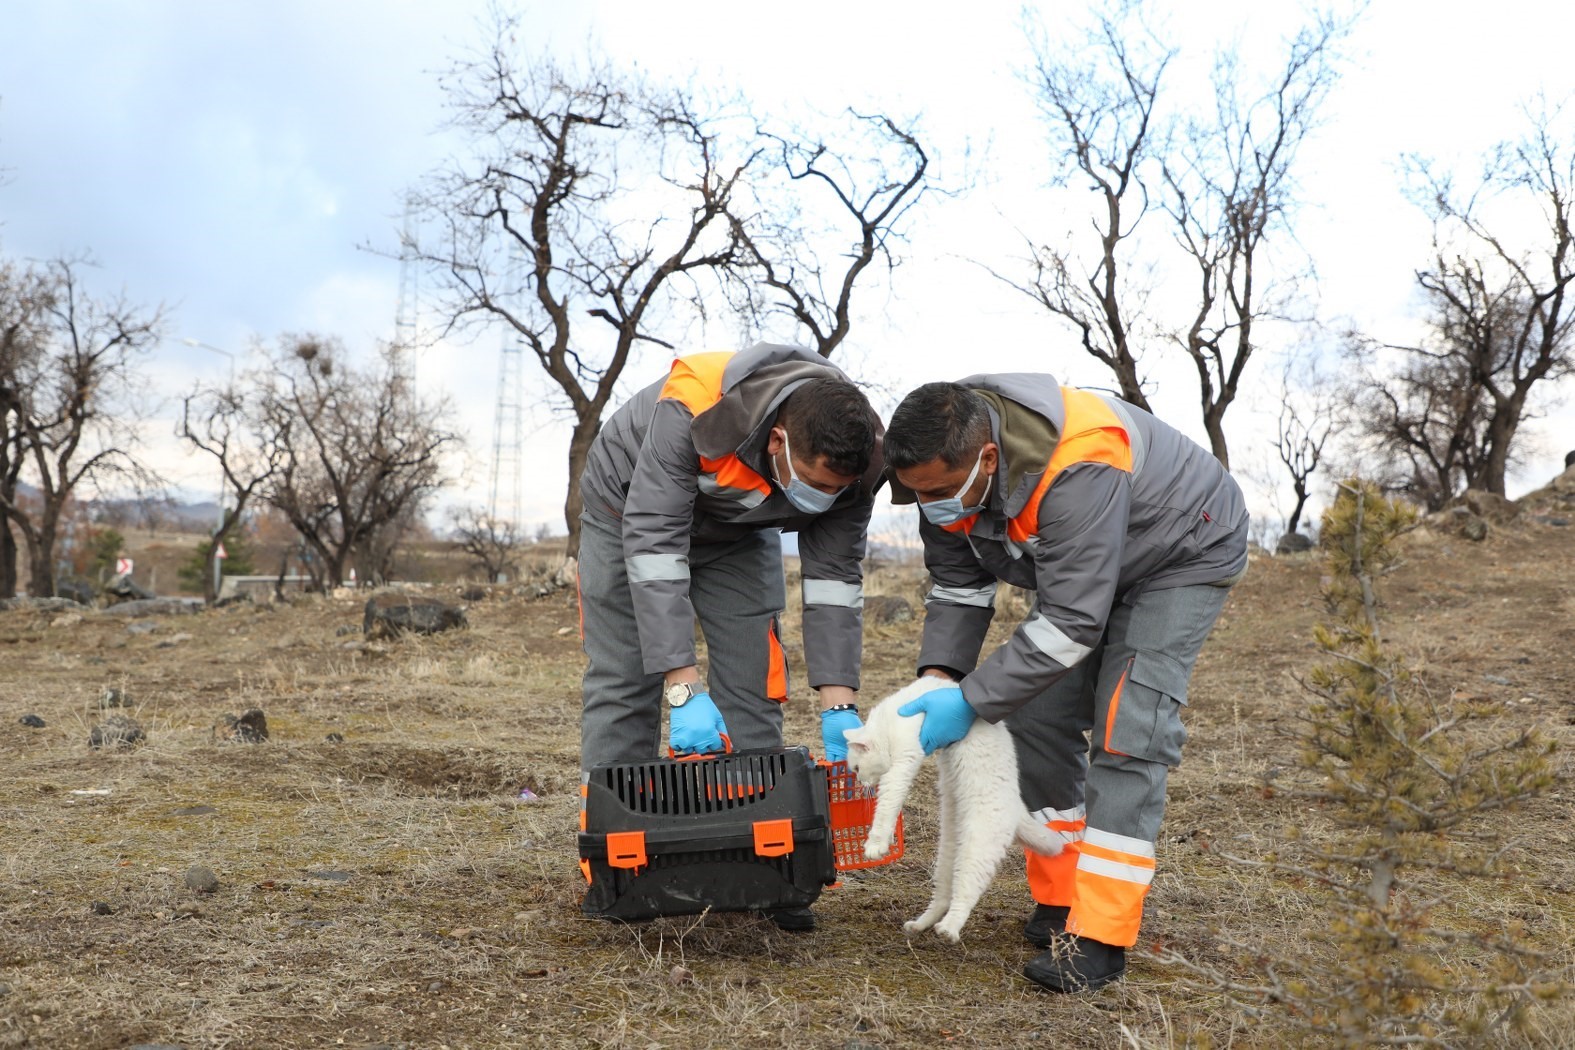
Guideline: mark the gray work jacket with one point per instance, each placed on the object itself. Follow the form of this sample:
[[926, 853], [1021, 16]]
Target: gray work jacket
[[645, 469], [1102, 534]]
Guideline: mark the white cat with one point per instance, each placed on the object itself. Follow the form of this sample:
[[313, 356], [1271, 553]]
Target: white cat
[[982, 813]]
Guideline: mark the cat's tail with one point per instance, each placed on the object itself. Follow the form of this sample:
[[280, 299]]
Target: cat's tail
[[1037, 837]]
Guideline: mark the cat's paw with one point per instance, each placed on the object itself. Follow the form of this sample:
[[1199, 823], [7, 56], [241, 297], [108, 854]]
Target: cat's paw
[[877, 846], [914, 927], [949, 932]]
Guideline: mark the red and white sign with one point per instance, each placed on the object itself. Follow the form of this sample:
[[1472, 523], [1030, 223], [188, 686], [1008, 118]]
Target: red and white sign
[[220, 553], [123, 566]]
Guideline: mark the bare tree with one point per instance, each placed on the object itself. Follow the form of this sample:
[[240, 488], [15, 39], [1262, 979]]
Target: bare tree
[[610, 197], [65, 371], [1230, 193], [874, 175], [1503, 321], [357, 453], [1307, 419], [491, 541], [249, 445], [1098, 100]]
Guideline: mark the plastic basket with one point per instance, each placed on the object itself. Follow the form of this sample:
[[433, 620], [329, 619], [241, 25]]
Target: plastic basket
[[852, 812]]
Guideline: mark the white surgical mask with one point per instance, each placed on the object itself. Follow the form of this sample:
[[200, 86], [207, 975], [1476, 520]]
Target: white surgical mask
[[950, 510], [799, 492]]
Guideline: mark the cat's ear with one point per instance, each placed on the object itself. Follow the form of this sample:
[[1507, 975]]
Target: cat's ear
[[855, 735]]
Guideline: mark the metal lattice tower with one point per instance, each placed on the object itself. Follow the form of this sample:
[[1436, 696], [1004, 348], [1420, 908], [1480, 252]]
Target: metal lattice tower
[[402, 354], [505, 495]]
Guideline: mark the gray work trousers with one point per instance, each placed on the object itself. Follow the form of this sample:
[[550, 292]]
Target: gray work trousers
[[738, 593], [1097, 747]]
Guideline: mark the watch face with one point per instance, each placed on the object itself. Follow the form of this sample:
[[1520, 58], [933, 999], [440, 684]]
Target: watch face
[[678, 694]]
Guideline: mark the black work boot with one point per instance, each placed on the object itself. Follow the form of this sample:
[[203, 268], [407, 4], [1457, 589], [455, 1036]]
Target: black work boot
[[1076, 964], [1046, 921], [794, 920]]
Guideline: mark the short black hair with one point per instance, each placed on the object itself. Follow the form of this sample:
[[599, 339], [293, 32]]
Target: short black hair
[[830, 418], [937, 421]]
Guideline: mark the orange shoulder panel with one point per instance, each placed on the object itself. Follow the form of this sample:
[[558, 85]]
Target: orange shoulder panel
[[1092, 433], [696, 380]]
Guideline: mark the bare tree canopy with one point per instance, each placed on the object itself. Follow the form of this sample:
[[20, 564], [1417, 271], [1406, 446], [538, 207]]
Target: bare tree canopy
[[67, 364], [873, 175], [1098, 99], [595, 211], [493, 543], [357, 453], [1230, 192]]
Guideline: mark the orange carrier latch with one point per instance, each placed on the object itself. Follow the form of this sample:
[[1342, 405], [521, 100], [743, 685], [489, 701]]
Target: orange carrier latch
[[626, 849], [774, 838]]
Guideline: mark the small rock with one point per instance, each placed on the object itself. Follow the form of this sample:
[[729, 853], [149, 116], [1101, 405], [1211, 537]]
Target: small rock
[[201, 879], [335, 738], [32, 721], [192, 811], [112, 697], [1495, 679], [473, 593], [680, 975], [116, 731], [562, 631], [1293, 543], [188, 911], [173, 640], [142, 627], [68, 620], [101, 908], [250, 727], [347, 628], [392, 613], [435, 986]]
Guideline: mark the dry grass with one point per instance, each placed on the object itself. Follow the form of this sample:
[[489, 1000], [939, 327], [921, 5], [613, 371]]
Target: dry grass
[[393, 889]]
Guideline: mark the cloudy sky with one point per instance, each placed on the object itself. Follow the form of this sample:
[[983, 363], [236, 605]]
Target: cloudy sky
[[234, 162]]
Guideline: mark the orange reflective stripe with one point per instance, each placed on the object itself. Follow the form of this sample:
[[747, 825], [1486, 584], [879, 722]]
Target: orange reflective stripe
[[731, 473], [776, 667], [1106, 909], [1053, 880], [1110, 717], [1091, 433], [696, 380]]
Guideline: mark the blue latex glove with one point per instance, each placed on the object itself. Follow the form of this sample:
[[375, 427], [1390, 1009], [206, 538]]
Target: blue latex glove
[[947, 717], [696, 728], [832, 726]]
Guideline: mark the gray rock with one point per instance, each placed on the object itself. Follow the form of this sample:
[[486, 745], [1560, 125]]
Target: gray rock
[[32, 721], [1496, 679], [474, 593], [887, 608], [101, 908], [250, 727], [116, 731], [77, 590], [41, 604], [391, 614], [192, 811], [201, 879], [1293, 543], [123, 586], [347, 628], [335, 738], [153, 607], [173, 640], [142, 626]]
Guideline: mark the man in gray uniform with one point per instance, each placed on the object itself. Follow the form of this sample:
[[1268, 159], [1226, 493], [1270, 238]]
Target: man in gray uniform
[[687, 490], [1129, 535]]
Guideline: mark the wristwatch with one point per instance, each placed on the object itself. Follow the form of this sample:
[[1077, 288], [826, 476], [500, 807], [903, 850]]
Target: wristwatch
[[679, 693]]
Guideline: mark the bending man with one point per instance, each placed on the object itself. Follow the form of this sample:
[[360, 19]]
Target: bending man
[[1128, 534], [687, 490]]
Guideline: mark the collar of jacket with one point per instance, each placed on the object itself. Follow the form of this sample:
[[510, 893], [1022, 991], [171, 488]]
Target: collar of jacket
[[1026, 416]]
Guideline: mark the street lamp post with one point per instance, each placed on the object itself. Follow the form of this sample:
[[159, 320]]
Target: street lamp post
[[213, 549]]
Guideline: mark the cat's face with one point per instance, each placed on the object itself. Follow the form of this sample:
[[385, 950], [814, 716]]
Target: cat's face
[[866, 759]]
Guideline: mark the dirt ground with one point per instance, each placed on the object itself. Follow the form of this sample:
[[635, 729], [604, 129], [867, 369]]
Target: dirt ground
[[381, 881]]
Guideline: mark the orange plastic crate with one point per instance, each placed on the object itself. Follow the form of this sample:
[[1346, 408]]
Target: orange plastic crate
[[852, 812]]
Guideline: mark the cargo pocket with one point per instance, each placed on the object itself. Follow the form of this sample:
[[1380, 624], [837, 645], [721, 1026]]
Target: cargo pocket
[[776, 665], [1144, 716]]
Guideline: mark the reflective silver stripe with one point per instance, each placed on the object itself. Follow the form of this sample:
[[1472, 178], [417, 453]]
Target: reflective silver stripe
[[1063, 816], [1048, 639], [1134, 437], [747, 498], [643, 568], [1120, 843], [983, 597], [1115, 869], [834, 592]]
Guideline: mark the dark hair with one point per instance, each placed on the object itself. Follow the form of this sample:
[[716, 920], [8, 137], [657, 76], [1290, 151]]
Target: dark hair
[[937, 421], [832, 418]]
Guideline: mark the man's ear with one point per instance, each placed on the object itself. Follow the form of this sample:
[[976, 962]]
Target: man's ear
[[774, 440], [989, 458]]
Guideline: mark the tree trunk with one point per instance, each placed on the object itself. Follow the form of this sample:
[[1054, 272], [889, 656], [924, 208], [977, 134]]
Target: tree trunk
[[1214, 424], [8, 552], [585, 430], [40, 558]]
